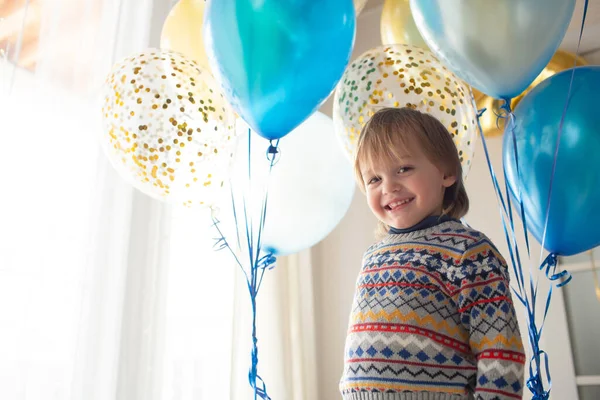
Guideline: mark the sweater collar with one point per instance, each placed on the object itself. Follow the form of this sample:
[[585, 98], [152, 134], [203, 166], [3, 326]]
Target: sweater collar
[[428, 222]]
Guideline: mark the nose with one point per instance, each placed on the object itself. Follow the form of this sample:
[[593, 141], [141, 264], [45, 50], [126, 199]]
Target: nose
[[390, 186]]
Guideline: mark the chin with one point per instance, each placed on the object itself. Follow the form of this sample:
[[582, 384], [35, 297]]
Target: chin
[[406, 223], [402, 225]]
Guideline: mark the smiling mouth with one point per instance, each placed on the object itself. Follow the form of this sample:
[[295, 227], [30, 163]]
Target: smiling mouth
[[398, 204]]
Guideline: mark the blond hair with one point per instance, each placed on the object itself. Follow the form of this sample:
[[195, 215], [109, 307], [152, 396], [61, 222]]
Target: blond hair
[[390, 130]]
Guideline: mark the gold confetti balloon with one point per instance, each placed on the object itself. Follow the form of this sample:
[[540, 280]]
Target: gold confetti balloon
[[167, 128], [404, 76]]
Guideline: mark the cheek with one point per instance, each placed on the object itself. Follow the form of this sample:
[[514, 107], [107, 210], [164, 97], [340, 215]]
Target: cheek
[[428, 183], [373, 199], [419, 185]]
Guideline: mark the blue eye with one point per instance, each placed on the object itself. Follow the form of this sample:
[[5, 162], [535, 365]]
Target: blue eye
[[403, 170], [373, 180]]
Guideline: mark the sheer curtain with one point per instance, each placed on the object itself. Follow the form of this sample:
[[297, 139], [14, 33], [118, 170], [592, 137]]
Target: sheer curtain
[[65, 217], [104, 292], [286, 332]]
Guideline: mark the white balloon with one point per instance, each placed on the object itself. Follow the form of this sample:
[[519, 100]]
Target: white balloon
[[310, 187]]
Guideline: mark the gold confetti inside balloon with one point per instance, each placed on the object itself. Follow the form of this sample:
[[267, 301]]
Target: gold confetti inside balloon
[[404, 76], [167, 128]]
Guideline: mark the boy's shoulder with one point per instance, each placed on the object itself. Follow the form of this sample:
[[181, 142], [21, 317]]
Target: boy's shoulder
[[452, 237], [476, 255], [470, 240], [459, 232]]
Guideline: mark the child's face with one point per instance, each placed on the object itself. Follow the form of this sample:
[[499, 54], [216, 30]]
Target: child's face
[[402, 192]]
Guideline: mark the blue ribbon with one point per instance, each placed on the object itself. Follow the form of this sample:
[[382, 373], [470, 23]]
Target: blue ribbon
[[257, 264], [549, 266], [502, 208], [534, 383], [539, 358]]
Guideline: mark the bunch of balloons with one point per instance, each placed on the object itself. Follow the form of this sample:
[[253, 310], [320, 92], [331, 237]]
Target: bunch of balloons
[[506, 54], [550, 150], [232, 69], [174, 117]]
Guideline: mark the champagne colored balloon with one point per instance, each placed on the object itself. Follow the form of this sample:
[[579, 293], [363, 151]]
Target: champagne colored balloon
[[167, 128], [404, 76], [490, 124], [398, 25], [498, 47], [182, 31]]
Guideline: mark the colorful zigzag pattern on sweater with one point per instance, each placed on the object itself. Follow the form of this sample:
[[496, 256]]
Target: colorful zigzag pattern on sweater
[[433, 318]]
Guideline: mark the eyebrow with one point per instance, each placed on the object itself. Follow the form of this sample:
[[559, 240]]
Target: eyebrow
[[402, 158], [366, 172]]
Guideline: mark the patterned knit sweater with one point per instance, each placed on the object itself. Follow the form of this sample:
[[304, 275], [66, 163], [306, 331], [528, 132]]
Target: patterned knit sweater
[[433, 318]]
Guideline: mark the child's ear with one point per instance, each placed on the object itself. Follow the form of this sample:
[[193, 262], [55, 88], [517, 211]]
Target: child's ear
[[449, 180]]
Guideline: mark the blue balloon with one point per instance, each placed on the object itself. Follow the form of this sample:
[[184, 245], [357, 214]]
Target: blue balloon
[[498, 47], [574, 215], [278, 60]]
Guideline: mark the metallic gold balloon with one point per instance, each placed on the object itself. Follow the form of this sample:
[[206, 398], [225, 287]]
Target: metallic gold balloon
[[398, 25], [490, 124], [359, 5], [182, 31], [167, 128], [404, 76]]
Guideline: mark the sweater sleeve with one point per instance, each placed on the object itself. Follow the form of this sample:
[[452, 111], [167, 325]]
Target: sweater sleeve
[[488, 314]]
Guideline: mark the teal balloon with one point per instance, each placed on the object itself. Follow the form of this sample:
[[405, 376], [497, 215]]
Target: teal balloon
[[498, 47], [278, 60], [574, 219]]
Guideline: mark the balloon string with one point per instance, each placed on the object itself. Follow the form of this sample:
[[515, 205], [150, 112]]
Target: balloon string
[[257, 264], [502, 206], [510, 131], [534, 383], [539, 360]]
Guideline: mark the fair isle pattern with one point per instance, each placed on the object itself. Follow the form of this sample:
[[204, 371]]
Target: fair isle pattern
[[433, 318]]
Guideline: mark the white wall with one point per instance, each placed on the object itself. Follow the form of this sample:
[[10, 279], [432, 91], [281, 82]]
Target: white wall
[[337, 259]]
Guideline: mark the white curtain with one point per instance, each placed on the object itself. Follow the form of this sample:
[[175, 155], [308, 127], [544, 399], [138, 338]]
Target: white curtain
[[105, 293], [208, 323], [66, 218]]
